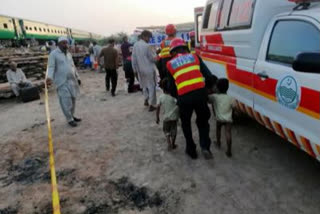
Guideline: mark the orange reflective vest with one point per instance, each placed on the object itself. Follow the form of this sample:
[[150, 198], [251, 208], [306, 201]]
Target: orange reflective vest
[[165, 48], [185, 69]]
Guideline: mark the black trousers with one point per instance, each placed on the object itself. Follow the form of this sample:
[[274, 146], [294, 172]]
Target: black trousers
[[195, 101], [131, 82], [163, 71], [111, 74], [129, 75]]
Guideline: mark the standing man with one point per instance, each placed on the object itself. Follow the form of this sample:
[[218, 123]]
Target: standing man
[[96, 53], [164, 54], [192, 42], [62, 71], [17, 79], [143, 64], [126, 52], [190, 76], [125, 48], [111, 63]]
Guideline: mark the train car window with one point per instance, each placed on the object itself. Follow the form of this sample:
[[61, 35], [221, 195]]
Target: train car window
[[55, 31], [26, 27], [5, 25], [35, 28], [241, 14], [40, 29], [48, 30], [44, 30], [223, 14]]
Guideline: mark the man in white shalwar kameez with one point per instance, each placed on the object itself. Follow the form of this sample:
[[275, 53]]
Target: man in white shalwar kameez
[[143, 64], [17, 79], [62, 71]]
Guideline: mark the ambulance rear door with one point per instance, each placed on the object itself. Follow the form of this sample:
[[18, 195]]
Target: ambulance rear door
[[198, 13]]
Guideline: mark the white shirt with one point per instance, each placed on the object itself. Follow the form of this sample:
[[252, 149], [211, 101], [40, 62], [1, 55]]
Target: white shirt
[[16, 77], [222, 105], [143, 63], [63, 72], [96, 50], [170, 108]]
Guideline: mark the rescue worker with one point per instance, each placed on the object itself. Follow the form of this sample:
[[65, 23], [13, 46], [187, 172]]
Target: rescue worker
[[164, 55], [192, 42], [189, 76]]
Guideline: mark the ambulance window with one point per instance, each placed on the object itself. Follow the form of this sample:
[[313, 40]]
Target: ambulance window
[[199, 22], [223, 15], [304, 37], [213, 15], [206, 16], [241, 13], [210, 17]]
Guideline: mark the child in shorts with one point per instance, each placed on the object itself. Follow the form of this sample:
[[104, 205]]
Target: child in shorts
[[222, 106], [170, 115]]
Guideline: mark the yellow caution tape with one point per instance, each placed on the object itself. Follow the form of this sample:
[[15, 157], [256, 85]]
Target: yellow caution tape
[[54, 186]]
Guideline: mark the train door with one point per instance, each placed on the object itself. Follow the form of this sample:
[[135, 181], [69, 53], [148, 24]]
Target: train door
[[18, 28]]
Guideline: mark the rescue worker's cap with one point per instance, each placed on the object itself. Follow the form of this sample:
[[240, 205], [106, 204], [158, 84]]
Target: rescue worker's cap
[[62, 38], [171, 29], [192, 34], [177, 42]]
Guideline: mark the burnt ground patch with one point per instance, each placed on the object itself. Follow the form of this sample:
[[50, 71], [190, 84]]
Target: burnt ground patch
[[136, 197], [103, 196], [97, 195], [9, 210], [121, 195], [33, 169]]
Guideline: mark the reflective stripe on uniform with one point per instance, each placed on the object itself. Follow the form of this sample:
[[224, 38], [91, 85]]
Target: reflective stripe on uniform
[[186, 70], [191, 49], [165, 52], [190, 82]]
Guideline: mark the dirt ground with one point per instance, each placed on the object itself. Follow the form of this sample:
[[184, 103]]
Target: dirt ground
[[116, 161]]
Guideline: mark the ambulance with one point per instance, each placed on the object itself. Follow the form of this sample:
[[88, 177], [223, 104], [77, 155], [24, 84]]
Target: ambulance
[[270, 52]]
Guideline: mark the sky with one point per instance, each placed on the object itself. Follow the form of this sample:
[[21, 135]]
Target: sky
[[103, 16]]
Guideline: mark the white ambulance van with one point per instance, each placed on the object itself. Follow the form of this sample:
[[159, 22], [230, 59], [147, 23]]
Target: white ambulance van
[[270, 52]]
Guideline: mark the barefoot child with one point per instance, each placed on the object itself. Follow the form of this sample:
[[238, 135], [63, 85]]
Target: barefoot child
[[222, 106], [170, 116]]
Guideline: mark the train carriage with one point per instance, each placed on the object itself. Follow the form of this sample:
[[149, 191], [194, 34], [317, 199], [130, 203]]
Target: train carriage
[[7, 30], [15, 31], [80, 36], [41, 31]]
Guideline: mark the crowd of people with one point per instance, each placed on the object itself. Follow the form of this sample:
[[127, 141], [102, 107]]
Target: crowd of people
[[188, 86], [187, 83]]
